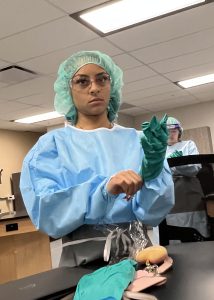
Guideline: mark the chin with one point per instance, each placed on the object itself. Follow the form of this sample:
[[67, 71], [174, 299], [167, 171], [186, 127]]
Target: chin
[[170, 142], [97, 112]]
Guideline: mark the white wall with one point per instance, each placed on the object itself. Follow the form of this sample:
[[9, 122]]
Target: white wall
[[55, 126], [14, 147], [193, 116], [123, 120]]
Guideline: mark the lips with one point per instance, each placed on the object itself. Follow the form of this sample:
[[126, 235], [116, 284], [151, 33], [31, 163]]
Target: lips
[[96, 100]]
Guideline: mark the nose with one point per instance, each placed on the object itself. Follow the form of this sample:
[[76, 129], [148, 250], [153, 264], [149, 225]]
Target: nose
[[94, 88]]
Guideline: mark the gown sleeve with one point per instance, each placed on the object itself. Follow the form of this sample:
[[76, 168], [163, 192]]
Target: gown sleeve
[[155, 199], [57, 204], [60, 198], [188, 170]]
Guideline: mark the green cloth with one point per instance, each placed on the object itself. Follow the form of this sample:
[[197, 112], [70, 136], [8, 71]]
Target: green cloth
[[154, 143], [107, 282], [176, 153]]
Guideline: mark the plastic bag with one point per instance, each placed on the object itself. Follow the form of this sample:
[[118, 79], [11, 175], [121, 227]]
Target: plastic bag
[[98, 245], [124, 241]]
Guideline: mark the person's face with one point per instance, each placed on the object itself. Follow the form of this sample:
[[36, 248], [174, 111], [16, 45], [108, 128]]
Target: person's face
[[90, 88], [173, 136]]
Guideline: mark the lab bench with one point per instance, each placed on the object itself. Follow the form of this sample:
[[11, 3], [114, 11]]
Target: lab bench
[[24, 250]]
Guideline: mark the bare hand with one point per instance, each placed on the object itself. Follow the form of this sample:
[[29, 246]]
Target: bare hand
[[127, 182]]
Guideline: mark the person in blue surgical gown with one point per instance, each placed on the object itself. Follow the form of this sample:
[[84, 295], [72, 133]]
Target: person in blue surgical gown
[[189, 210], [176, 147], [93, 172]]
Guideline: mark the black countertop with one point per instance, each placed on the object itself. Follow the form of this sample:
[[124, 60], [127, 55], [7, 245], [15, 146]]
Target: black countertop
[[190, 278], [192, 274]]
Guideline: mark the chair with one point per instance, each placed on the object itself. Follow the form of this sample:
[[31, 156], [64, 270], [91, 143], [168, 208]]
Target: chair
[[184, 234], [206, 179]]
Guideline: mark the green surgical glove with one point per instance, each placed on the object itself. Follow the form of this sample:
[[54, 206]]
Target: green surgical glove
[[176, 153], [154, 143], [106, 283]]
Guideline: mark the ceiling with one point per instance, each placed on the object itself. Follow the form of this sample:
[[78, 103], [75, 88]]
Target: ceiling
[[39, 34]]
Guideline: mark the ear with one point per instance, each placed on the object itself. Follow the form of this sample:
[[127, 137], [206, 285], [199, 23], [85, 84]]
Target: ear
[[179, 135]]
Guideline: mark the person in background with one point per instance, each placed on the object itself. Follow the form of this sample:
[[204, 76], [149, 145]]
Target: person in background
[[176, 147], [94, 173], [189, 210]]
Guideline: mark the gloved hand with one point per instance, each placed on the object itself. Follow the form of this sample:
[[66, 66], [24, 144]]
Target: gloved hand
[[176, 153], [154, 143]]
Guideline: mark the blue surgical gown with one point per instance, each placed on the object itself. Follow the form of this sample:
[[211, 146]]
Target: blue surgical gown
[[187, 148], [64, 176], [189, 208]]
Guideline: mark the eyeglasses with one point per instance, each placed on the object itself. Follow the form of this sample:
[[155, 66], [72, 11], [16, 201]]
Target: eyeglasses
[[173, 131], [81, 82], [172, 126]]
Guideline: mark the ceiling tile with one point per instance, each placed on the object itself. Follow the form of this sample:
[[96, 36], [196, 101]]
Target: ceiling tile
[[135, 97], [138, 73], [14, 75], [43, 39], [52, 122], [135, 111], [2, 85], [39, 99], [27, 88], [204, 88], [21, 110], [188, 73], [30, 13], [2, 101], [204, 97], [125, 61], [3, 64], [125, 105], [49, 63], [181, 94], [168, 104], [21, 127], [184, 61], [161, 30], [75, 5], [145, 84], [169, 49], [14, 106], [176, 47]]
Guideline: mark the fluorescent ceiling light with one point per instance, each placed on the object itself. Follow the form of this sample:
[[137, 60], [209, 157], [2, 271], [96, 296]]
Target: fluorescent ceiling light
[[39, 118], [196, 81], [125, 13]]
